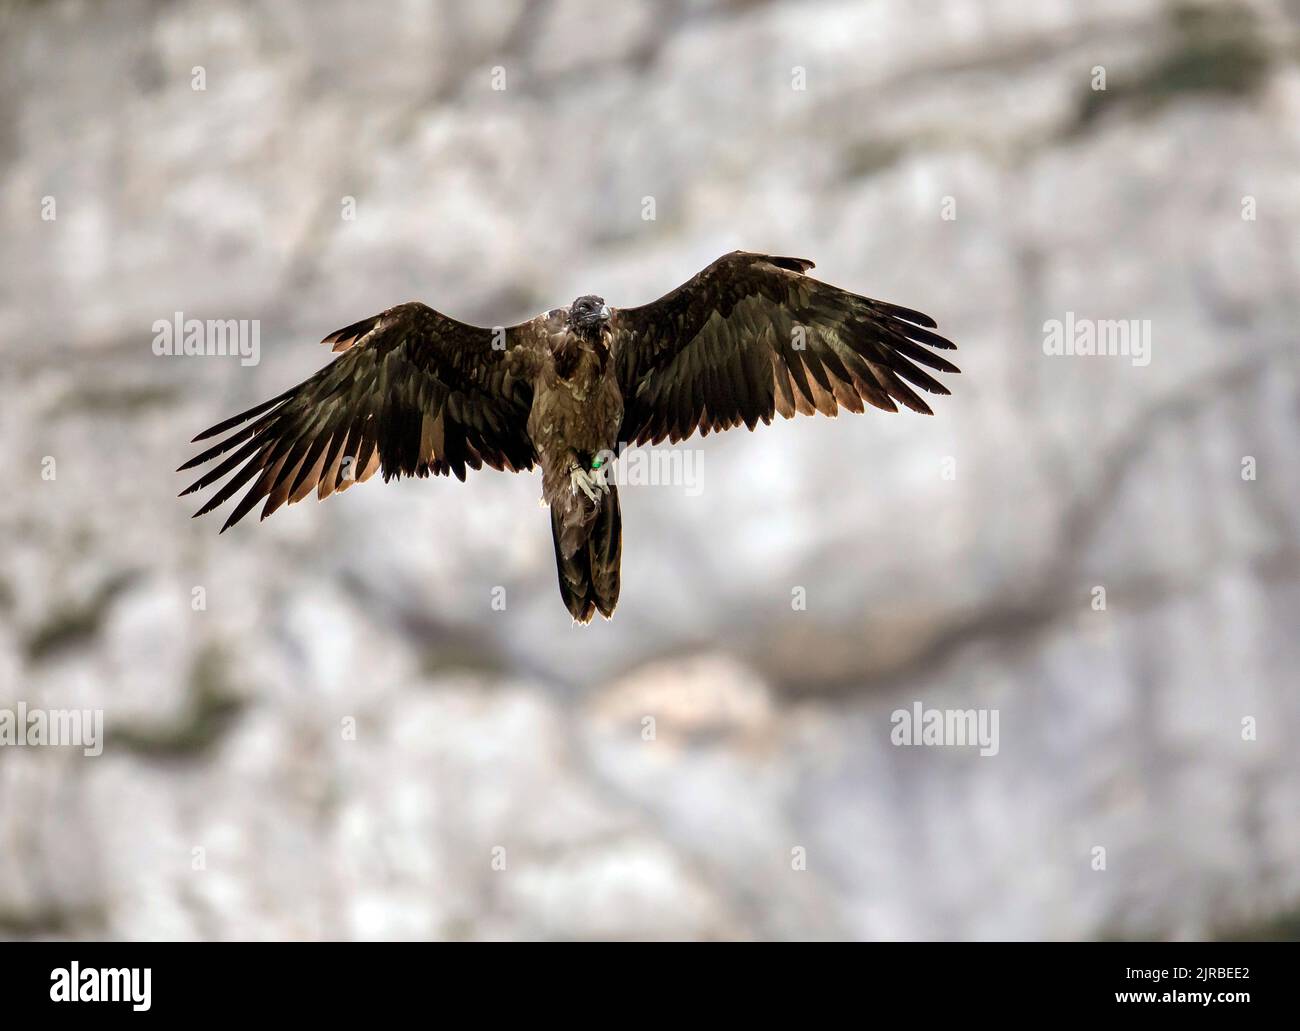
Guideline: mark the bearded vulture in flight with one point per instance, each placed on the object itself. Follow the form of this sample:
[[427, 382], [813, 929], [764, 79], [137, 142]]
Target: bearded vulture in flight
[[416, 392]]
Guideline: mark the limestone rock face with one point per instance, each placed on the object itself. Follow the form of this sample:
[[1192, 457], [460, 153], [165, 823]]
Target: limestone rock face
[[334, 725]]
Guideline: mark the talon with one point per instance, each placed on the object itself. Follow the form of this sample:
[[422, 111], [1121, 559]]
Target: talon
[[580, 480]]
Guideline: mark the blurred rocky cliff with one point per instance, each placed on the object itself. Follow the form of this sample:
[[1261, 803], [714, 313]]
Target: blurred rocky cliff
[[321, 726]]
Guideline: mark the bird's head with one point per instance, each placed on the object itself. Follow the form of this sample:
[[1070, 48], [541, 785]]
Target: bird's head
[[589, 315]]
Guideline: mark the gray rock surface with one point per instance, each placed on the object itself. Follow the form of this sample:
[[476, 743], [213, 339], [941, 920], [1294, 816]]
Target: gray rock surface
[[349, 741]]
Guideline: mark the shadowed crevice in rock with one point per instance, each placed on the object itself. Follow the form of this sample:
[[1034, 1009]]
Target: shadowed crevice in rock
[[211, 707]]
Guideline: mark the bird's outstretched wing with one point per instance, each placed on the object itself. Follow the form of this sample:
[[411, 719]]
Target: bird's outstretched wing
[[752, 335], [414, 393]]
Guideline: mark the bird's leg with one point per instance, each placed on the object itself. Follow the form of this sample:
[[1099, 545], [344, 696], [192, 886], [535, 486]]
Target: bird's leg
[[580, 480], [590, 482], [599, 470]]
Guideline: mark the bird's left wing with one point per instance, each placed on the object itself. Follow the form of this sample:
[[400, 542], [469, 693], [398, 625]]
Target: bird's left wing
[[752, 336], [413, 393]]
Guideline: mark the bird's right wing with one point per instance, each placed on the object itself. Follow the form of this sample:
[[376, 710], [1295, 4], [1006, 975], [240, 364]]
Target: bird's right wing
[[414, 393], [752, 336]]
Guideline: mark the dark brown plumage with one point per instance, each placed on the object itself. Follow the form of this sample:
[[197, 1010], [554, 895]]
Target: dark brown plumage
[[415, 392]]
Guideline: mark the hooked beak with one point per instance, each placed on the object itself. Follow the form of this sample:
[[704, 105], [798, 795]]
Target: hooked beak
[[604, 313]]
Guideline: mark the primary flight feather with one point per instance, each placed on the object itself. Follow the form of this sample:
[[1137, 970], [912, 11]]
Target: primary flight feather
[[415, 392]]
